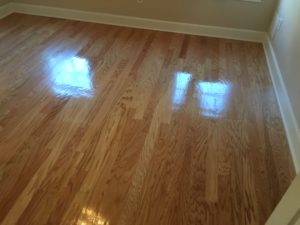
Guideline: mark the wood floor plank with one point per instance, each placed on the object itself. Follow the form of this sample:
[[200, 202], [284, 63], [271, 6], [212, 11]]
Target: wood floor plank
[[110, 125]]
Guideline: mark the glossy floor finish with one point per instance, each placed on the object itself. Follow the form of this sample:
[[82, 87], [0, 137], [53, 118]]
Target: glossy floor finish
[[103, 125]]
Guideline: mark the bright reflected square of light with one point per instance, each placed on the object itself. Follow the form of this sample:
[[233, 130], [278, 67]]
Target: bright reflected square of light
[[213, 98], [180, 90], [72, 77]]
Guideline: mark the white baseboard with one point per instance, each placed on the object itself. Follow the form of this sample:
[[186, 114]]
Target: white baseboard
[[135, 22], [287, 113], [5, 10]]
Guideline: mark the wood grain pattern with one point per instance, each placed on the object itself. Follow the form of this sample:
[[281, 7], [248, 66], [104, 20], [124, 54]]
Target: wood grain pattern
[[107, 125]]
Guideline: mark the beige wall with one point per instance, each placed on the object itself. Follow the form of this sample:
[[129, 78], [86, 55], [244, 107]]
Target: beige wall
[[2, 2], [229, 13], [286, 44]]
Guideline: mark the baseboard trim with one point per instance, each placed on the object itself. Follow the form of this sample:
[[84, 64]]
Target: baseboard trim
[[5, 10], [160, 25], [289, 120]]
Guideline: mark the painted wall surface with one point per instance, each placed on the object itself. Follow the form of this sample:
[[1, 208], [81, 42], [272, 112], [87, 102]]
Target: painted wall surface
[[286, 44], [228, 13], [3, 2]]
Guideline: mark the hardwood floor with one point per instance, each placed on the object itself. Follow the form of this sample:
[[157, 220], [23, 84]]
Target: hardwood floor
[[107, 125]]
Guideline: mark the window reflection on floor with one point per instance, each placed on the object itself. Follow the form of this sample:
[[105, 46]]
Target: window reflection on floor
[[90, 217], [213, 98], [71, 76], [180, 90]]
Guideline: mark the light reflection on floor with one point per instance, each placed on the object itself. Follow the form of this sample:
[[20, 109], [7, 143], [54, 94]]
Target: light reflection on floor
[[90, 217], [71, 76], [213, 97], [180, 90]]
